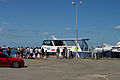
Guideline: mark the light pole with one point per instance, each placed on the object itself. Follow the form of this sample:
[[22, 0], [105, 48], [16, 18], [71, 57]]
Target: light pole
[[76, 6]]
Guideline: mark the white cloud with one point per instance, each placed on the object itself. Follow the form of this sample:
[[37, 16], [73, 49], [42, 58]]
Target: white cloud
[[2, 29], [116, 27], [5, 23], [67, 28], [45, 33], [3, 0]]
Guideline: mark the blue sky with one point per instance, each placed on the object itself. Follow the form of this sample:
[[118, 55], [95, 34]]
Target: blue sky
[[28, 22]]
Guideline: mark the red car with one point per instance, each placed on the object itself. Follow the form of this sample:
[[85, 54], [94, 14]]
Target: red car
[[10, 61]]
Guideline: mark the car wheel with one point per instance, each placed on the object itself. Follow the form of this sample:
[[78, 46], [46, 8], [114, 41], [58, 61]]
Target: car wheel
[[15, 64]]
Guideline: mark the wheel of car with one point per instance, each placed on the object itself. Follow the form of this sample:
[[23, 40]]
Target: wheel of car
[[15, 64]]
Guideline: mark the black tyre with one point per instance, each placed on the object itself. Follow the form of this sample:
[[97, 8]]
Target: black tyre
[[15, 64]]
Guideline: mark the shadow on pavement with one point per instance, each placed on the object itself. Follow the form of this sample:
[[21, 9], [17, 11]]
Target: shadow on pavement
[[11, 67]]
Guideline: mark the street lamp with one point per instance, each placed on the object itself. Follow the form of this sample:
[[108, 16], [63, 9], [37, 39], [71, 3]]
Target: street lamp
[[76, 6]]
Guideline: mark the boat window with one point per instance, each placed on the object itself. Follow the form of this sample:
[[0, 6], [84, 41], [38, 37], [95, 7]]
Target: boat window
[[47, 42], [83, 45], [70, 43], [58, 43]]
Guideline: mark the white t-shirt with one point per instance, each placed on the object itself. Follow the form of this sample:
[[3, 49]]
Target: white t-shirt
[[36, 50], [31, 50], [28, 49], [39, 50]]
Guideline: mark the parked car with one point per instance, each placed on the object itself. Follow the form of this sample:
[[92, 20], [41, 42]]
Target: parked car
[[10, 61]]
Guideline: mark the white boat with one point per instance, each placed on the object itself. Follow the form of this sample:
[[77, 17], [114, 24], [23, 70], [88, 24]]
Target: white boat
[[113, 49], [116, 48], [51, 45]]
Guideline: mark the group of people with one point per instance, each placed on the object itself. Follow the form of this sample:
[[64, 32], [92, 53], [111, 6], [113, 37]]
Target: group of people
[[25, 52], [65, 53], [37, 52], [30, 52]]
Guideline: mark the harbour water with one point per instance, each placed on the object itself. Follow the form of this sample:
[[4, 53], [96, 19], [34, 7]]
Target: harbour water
[[13, 51]]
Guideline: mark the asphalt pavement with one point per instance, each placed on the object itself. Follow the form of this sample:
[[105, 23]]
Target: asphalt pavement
[[63, 69]]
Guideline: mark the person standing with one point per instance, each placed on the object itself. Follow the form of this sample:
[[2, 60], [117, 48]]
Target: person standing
[[57, 53], [9, 51], [31, 53], [42, 52], [21, 52], [70, 55], [46, 54], [63, 53], [36, 52], [25, 52], [66, 52], [28, 52], [18, 52]]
